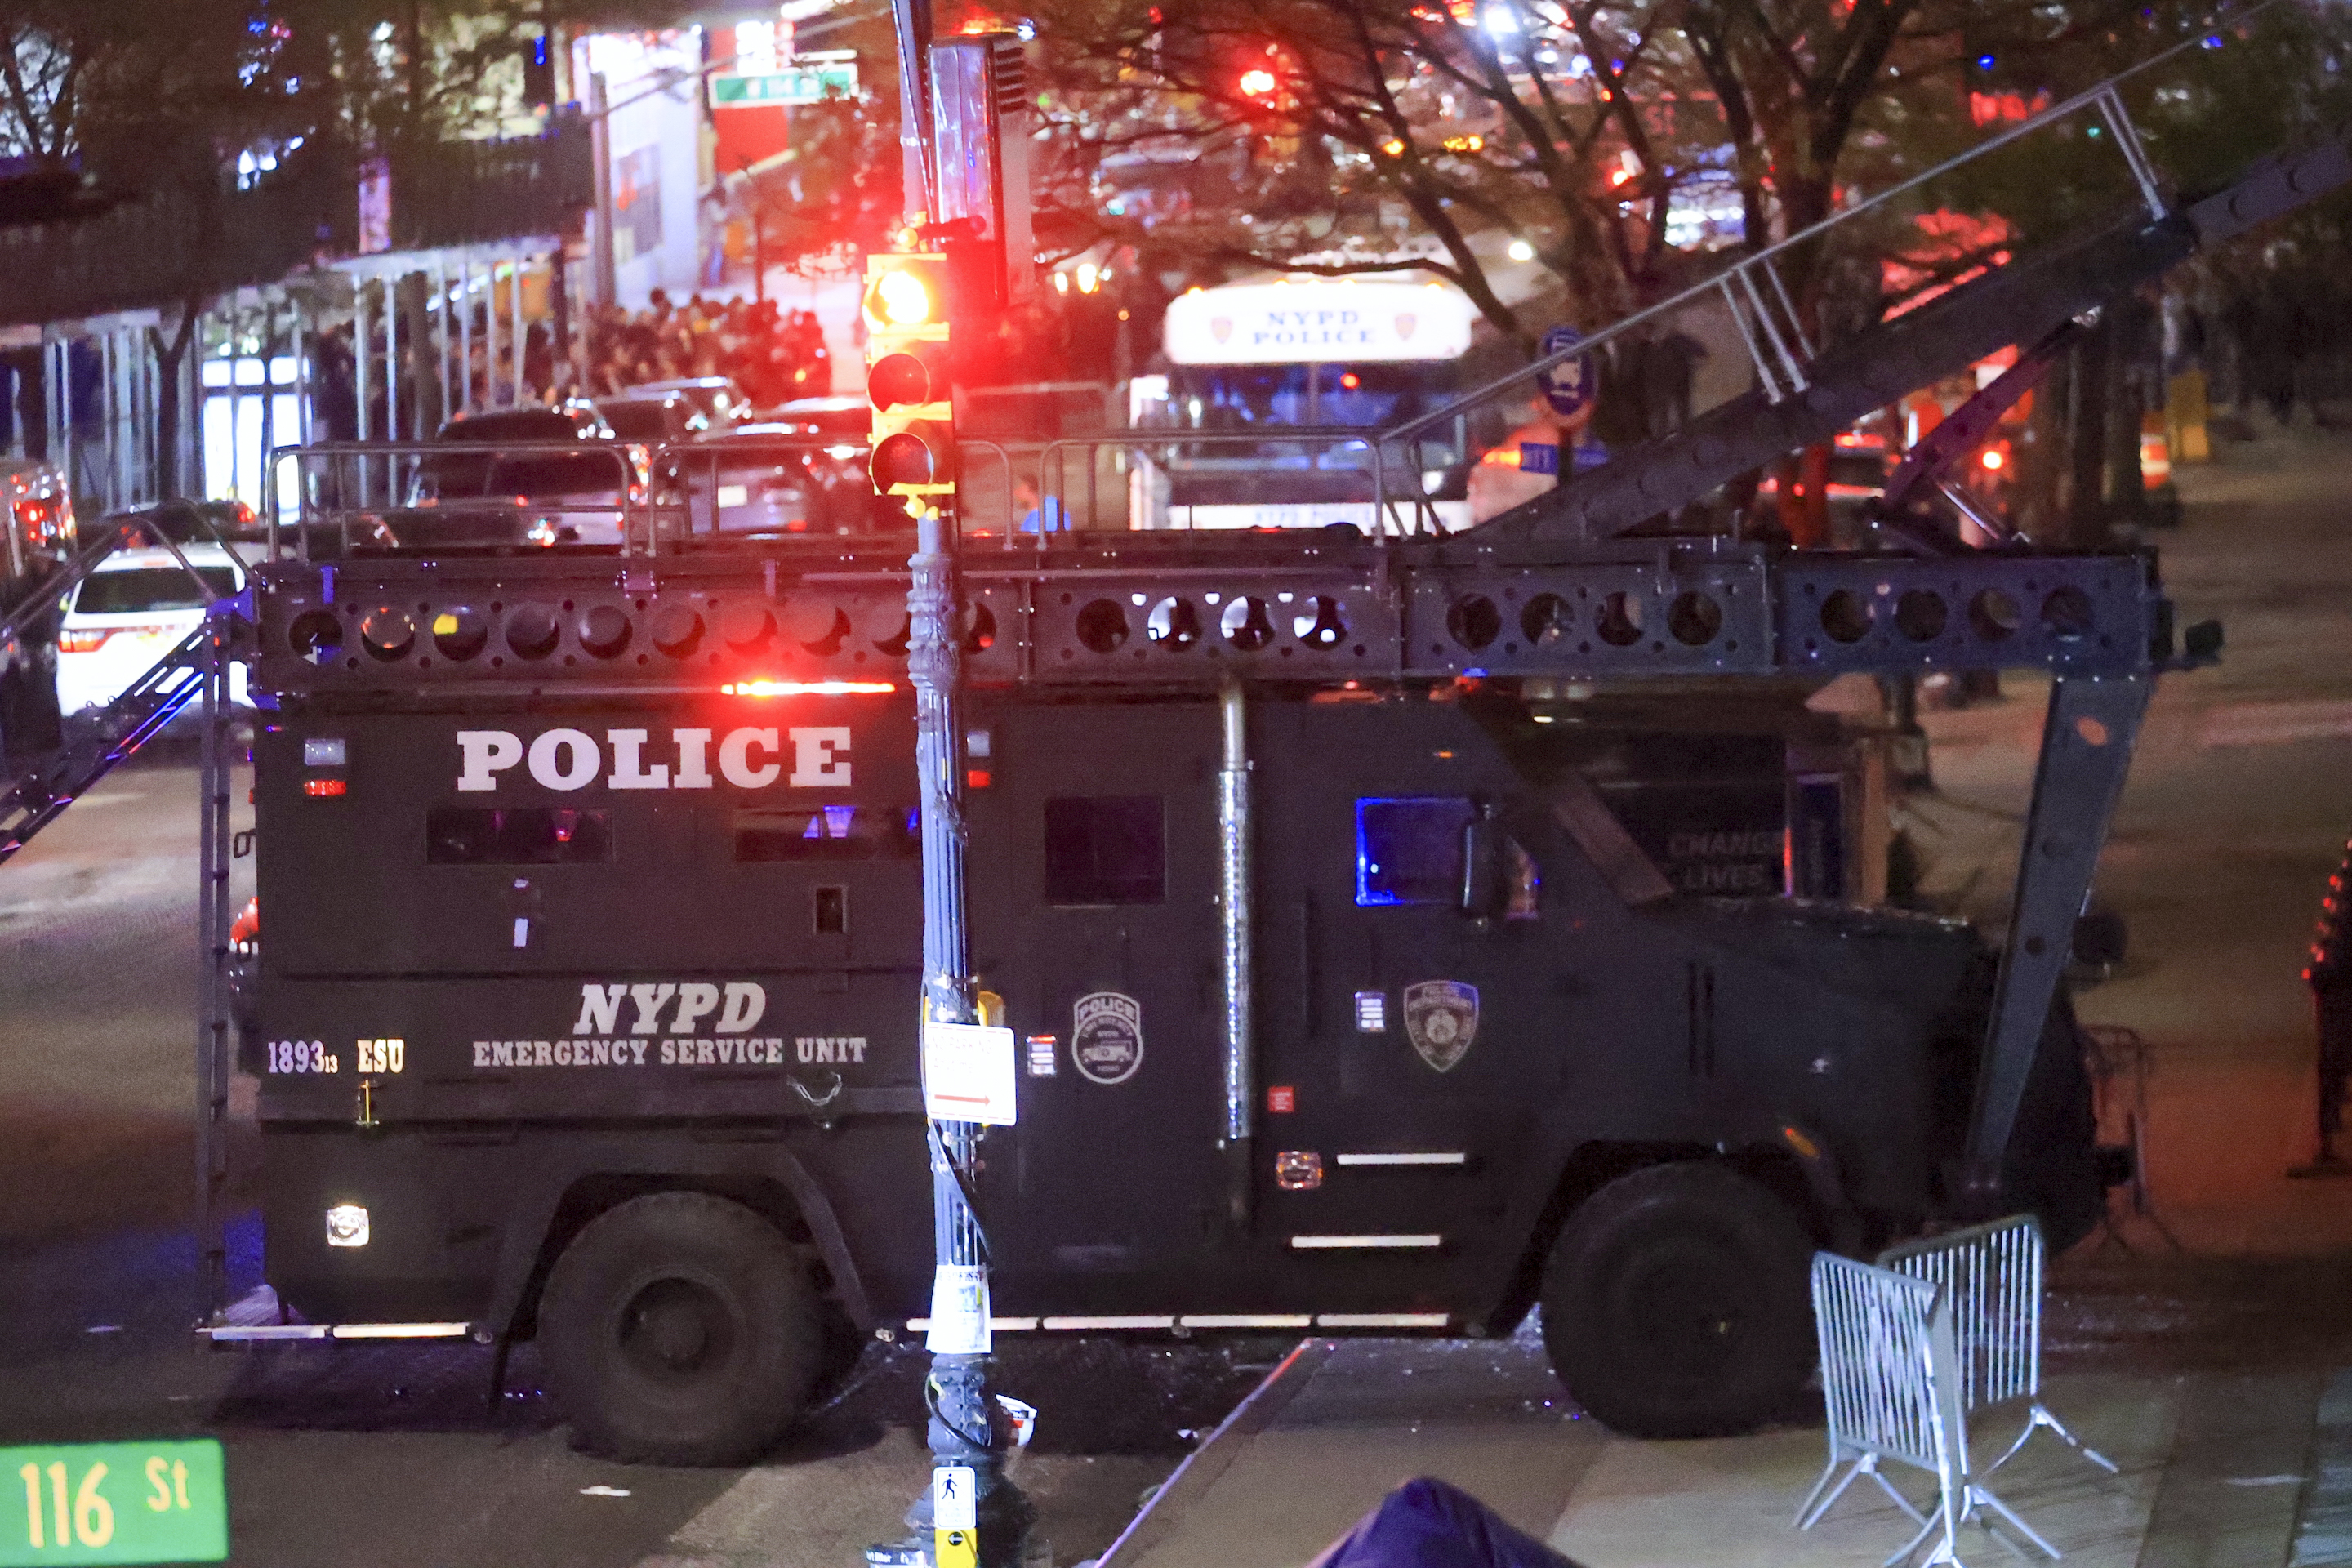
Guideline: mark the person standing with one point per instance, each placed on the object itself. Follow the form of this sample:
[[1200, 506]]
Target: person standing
[[2329, 976]]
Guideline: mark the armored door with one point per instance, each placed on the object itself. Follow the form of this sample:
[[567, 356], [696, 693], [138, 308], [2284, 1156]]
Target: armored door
[[1093, 915], [1406, 1048]]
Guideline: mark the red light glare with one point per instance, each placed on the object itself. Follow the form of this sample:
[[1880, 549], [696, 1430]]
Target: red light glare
[[807, 688], [1992, 461], [1349, 380], [1258, 83]]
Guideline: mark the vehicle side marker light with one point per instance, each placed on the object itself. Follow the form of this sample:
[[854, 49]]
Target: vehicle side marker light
[[808, 688], [977, 778], [323, 789]]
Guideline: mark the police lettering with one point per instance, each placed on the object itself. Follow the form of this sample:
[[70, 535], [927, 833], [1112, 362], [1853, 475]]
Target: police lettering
[[565, 759], [830, 1050], [1312, 329], [758, 1050], [740, 1004]]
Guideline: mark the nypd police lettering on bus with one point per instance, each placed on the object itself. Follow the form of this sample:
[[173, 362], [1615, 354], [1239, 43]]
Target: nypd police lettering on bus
[[748, 758]]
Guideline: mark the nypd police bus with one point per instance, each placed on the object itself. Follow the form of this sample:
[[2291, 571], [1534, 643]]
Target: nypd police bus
[[1286, 378]]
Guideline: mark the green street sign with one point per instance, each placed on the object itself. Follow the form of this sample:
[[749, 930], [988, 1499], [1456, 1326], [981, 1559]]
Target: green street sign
[[794, 84], [112, 1502]]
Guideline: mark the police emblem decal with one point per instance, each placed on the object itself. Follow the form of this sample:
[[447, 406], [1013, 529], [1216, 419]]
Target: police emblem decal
[[1107, 1036], [1441, 1019]]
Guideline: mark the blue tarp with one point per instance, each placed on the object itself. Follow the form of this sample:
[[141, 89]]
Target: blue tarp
[[1426, 1523]]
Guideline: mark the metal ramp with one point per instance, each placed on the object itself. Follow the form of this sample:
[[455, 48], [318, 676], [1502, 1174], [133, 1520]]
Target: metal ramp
[[31, 797], [1803, 397], [39, 796]]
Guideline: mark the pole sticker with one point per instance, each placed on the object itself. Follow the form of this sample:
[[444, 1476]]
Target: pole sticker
[[958, 1310]]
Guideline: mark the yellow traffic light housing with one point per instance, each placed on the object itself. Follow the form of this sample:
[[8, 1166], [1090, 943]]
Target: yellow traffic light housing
[[906, 379]]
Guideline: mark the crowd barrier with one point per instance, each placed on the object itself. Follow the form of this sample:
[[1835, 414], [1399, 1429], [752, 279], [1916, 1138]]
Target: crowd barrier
[[1891, 1382], [1993, 1274]]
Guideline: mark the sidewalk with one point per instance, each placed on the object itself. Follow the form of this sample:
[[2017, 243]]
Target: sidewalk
[[2212, 1470]]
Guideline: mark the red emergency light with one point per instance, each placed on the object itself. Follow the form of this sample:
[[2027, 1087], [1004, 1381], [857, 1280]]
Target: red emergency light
[[807, 688]]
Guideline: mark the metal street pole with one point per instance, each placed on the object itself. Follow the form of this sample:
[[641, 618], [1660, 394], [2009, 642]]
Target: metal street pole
[[971, 1516], [966, 1434]]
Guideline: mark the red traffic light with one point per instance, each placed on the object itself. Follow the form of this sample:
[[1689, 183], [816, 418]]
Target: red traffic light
[[900, 380], [906, 458]]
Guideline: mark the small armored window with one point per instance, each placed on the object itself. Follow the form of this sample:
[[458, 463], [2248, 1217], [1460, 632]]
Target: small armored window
[[1105, 850], [1409, 850], [516, 835], [833, 831]]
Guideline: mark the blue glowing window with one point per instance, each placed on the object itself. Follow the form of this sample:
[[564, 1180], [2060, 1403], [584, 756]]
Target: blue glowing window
[[1409, 850], [829, 832]]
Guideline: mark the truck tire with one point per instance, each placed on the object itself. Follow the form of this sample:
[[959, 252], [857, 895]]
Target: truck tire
[[1676, 1303], [681, 1328]]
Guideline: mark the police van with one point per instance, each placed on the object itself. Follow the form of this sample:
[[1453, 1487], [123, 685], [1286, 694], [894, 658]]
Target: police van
[[587, 1010]]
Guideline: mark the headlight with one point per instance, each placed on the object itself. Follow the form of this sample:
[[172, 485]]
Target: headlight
[[347, 1226]]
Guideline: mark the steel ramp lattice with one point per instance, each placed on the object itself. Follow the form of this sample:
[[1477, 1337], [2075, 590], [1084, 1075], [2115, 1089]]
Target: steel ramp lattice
[[39, 795], [2017, 302]]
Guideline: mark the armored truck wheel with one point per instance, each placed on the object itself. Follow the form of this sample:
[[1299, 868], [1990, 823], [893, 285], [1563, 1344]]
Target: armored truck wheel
[[1677, 1304], [681, 1328]]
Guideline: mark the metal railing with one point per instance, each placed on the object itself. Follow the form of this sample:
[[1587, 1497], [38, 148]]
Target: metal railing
[[666, 496], [1369, 459], [338, 483]]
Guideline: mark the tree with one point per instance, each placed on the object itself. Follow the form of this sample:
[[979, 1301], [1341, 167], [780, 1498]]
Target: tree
[[834, 190], [1332, 135]]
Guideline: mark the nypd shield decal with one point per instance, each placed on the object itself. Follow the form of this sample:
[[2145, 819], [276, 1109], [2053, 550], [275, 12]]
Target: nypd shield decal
[[1441, 1019]]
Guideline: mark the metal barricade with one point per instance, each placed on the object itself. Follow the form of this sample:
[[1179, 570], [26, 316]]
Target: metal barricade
[[1992, 1273], [1890, 1382]]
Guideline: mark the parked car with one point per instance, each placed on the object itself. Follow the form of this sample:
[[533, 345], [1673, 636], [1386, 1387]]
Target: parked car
[[489, 497], [654, 421], [751, 479], [717, 398], [802, 471], [136, 606]]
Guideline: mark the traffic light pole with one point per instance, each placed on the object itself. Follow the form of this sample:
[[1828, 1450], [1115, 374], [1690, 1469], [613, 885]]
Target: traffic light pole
[[966, 1432]]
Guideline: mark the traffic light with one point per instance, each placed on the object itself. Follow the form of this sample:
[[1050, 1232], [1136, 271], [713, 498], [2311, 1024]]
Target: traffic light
[[906, 379]]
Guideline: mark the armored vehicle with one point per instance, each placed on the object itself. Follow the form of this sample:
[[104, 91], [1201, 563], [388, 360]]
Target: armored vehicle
[[586, 1009]]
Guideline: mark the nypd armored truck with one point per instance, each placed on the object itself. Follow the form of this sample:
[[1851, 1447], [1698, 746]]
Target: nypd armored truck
[[586, 1007]]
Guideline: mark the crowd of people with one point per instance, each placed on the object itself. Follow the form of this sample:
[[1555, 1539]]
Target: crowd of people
[[773, 354]]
